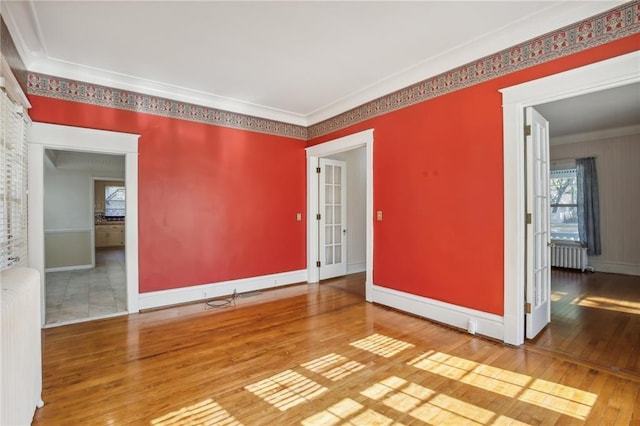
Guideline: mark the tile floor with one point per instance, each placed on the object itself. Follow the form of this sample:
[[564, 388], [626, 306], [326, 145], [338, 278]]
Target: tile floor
[[89, 293]]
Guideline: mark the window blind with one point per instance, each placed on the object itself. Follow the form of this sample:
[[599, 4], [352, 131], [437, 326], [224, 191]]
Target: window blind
[[14, 124]]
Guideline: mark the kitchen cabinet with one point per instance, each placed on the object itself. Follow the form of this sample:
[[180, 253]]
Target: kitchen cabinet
[[109, 235]]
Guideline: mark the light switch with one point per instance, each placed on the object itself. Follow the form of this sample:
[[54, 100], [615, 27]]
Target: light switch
[[379, 216], [298, 217]]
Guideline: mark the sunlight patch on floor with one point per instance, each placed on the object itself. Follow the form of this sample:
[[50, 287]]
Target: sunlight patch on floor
[[557, 295], [287, 389], [205, 412], [560, 398], [429, 406], [381, 345], [552, 396], [333, 366], [617, 305], [349, 412]]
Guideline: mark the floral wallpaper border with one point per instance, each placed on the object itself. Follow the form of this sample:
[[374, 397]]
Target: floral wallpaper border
[[614, 24], [77, 91]]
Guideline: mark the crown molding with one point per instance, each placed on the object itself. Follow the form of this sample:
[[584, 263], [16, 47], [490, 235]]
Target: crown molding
[[596, 135], [106, 96], [72, 71], [552, 18], [29, 43]]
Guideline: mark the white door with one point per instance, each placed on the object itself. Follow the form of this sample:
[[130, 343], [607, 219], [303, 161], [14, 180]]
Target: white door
[[332, 218], [538, 278]]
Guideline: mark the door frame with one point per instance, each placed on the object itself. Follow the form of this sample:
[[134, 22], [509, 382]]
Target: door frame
[[614, 72], [346, 143], [52, 136]]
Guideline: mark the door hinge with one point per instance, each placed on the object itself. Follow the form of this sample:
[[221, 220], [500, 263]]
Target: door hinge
[[527, 308], [528, 219], [318, 217], [527, 130], [318, 263], [318, 170]]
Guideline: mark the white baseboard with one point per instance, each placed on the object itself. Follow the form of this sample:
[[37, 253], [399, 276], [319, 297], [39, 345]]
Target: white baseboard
[[490, 325], [68, 268], [615, 267], [353, 268], [156, 299]]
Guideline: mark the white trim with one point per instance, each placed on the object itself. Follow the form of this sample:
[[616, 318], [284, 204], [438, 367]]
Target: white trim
[[490, 325], [51, 136], [614, 72], [624, 268], [77, 321], [68, 138], [174, 296], [353, 268], [597, 135], [69, 268], [79, 72], [346, 143], [11, 85], [550, 17]]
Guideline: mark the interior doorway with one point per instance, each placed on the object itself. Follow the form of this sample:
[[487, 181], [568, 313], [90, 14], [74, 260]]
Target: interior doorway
[[82, 281], [595, 316], [362, 140], [64, 138], [599, 76]]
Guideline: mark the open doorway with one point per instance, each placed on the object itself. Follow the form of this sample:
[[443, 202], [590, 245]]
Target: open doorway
[[346, 205], [615, 72], [594, 315], [340, 147], [44, 137], [84, 217]]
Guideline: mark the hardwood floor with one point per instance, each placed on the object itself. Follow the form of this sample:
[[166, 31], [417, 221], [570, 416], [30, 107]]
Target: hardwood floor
[[595, 318], [312, 355]]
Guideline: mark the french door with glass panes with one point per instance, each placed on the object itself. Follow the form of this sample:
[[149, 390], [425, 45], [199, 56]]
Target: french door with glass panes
[[332, 218], [538, 282]]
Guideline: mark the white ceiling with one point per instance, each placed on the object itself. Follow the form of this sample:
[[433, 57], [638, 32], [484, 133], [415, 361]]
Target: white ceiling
[[85, 161], [608, 109], [298, 62]]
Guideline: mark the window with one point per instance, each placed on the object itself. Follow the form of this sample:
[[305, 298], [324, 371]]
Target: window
[[114, 201], [14, 123], [563, 194]]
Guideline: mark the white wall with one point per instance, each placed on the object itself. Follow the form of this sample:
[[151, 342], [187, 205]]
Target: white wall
[[356, 207], [68, 207], [617, 160], [67, 202]]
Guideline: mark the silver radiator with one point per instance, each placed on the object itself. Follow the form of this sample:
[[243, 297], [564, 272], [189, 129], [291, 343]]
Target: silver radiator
[[21, 346], [569, 256]]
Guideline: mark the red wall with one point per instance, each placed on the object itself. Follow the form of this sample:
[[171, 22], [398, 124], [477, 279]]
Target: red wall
[[438, 178], [215, 203]]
